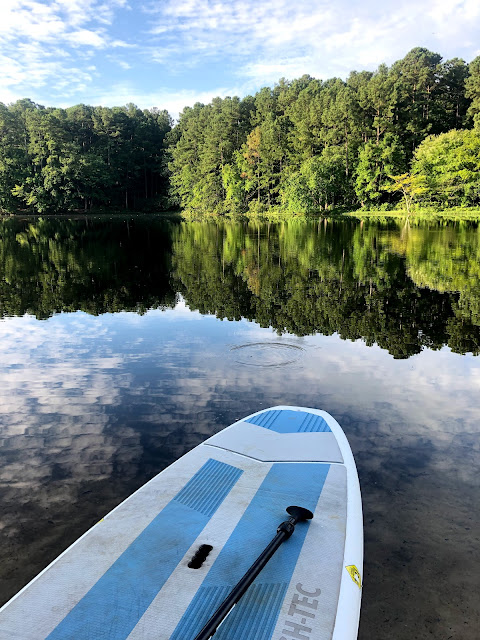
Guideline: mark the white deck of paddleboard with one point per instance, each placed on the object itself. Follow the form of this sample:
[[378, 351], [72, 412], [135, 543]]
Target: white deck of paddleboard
[[128, 576]]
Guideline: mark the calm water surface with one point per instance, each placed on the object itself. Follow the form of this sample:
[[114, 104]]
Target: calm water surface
[[127, 342]]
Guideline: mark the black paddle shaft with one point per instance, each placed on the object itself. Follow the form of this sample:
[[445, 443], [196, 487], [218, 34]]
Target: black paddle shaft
[[284, 531]]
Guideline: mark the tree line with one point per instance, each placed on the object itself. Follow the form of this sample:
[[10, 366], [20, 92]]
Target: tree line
[[409, 131], [403, 131], [83, 157]]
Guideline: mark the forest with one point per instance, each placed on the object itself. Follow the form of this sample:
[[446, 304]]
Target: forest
[[82, 158], [403, 135]]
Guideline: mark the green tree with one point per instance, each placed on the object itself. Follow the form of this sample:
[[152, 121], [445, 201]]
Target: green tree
[[206, 140], [14, 162], [340, 119], [416, 83], [410, 186], [251, 162], [320, 182], [306, 137], [233, 186], [378, 99], [449, 165], [376, 162], [472, 85], [453, 98]]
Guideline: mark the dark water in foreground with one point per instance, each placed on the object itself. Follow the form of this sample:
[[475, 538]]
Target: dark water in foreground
[[125, 343]]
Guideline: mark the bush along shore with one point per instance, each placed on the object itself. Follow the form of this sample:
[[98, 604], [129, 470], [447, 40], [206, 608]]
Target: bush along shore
[[405, 137]]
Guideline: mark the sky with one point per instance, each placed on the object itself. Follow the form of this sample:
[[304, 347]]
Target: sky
[[173, 53]]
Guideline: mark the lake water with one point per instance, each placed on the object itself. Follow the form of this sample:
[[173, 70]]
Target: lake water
[[126, 342]]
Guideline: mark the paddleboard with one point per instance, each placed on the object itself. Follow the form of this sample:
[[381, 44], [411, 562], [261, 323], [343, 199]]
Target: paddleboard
[[158, 566]]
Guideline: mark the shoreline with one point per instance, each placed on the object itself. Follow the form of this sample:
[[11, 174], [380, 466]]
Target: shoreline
[[273, 216]]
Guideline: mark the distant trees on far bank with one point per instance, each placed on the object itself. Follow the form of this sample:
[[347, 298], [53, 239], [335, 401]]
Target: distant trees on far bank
[[82, 157], [308, 144], [300, 147]]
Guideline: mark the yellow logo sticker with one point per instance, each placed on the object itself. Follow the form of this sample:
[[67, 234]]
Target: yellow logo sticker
[[355, 575]]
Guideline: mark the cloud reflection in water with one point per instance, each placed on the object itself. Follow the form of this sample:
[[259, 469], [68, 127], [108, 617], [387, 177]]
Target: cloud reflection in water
[[91, 407]]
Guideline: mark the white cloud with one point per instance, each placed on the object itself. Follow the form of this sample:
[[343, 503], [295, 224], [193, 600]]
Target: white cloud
[[43, 45], [122, 44], [47, 46], [277, 38], [86, 37], [262, 72]]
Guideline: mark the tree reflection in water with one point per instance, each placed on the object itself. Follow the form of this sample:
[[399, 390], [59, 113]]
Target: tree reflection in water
[[400, 286]]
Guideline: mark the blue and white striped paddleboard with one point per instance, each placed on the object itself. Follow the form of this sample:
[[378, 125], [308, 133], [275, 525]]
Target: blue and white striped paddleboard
[[129, 576]]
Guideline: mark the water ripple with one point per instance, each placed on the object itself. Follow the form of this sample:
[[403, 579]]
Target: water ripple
[[266, 354]]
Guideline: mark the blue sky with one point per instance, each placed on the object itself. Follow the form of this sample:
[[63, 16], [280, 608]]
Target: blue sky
[[172, 53]]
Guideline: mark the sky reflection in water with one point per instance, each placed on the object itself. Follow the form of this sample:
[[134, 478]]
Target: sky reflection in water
[[93, 406]]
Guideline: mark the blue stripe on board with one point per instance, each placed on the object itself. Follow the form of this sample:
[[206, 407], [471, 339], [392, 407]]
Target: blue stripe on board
[[218, 477], [250, 618], [114, 605], [285, 484], [199, 611], [287, 421]]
